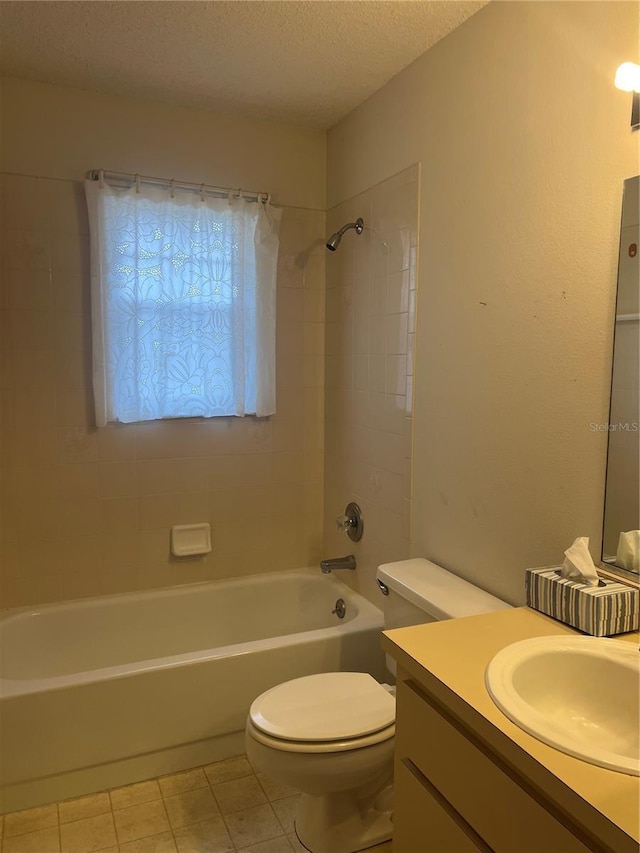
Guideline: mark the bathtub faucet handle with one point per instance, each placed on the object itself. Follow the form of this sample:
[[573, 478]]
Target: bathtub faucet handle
[[351, 522]]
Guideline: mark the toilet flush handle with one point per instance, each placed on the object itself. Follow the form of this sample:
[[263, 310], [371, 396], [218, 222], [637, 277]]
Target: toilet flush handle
[[384, 589]]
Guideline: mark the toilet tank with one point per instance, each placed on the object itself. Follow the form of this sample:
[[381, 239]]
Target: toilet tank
[[418, 591]]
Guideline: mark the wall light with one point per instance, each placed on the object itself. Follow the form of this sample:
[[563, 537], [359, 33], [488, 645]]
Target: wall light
[[628, 79]]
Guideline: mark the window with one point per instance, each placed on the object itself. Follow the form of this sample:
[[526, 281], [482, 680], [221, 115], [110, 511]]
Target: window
[[183, 303]]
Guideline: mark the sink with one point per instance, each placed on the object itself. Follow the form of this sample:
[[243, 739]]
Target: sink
[[577, 694]]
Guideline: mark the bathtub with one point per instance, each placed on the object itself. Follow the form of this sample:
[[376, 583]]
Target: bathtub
[[107, 691]]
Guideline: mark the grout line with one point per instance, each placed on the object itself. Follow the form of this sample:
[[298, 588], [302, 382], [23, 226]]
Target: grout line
[[262, 788], [209, 785], [164, 806]]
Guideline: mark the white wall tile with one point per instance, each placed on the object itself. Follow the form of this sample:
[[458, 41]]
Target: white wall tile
[[125, 485], [368, 336]]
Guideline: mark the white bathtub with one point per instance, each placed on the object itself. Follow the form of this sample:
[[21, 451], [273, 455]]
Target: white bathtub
[[106, 691]]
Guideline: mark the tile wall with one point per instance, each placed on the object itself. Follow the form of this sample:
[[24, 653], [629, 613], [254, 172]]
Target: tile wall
[[371, 303], [87, 512]]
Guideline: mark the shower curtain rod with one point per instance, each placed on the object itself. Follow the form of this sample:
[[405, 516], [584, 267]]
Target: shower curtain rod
[[98, 174]]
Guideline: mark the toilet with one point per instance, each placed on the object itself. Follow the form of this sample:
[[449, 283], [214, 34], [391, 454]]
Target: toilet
[[331, 735]]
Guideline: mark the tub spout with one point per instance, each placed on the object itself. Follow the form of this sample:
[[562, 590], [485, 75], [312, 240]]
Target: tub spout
[[348, 562]]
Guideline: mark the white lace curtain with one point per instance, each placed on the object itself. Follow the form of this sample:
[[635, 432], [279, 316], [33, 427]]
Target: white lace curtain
[[183, 291]]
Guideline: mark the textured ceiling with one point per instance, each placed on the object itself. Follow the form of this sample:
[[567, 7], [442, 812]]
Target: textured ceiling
[[307, 62]]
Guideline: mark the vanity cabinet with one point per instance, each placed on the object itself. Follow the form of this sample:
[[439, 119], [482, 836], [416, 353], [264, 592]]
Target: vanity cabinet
[[453, 794], [424, 820], [467, 778]]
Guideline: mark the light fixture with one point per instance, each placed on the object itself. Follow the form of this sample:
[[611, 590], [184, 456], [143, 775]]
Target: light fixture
[[628, 79]]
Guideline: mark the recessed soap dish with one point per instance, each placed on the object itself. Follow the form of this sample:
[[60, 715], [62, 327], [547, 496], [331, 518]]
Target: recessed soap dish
[[190, 540]]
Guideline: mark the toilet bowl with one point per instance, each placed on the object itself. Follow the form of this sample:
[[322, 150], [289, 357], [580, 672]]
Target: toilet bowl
[[331, 735]]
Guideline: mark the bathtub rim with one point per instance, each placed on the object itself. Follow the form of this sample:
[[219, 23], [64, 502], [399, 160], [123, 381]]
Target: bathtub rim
[[166, 591], [367, 616]]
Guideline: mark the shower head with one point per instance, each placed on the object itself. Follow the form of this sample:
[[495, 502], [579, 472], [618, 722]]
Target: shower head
[[334, 241]]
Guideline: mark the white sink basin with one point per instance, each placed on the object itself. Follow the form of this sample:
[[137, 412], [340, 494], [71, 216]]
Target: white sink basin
[[578, 694]]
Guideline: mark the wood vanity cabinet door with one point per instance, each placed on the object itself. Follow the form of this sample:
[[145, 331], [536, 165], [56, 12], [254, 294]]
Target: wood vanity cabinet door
[[503, 814], [423, 822]]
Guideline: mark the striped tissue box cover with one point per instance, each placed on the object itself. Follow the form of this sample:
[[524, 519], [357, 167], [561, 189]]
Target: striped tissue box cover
[[611, 608]]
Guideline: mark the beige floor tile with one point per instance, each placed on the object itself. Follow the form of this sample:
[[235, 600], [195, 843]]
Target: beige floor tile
[[250, 826], [275, 845], [275, 790], [42, 841], [231, 768], [141, 821], [286, 811], [95, 804], [239, 794], [133, 795], [89, 834], [181, 782], [30, 820], [191, 807], [208, 837], [162, 843]]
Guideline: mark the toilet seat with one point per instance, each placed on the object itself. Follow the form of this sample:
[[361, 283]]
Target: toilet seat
[[326, 712], [318, 747]]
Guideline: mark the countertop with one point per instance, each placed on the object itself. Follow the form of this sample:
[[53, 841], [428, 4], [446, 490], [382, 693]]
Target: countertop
[[449, 659]]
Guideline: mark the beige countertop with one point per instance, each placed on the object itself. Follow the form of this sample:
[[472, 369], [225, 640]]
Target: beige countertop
[[449, 659]]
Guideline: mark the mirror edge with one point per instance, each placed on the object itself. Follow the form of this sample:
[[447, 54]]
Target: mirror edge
[[608, 569]]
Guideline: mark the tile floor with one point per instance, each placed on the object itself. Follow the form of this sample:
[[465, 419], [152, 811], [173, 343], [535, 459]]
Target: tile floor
[[214, 809]]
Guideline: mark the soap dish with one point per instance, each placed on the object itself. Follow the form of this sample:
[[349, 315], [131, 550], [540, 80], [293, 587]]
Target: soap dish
[[190, 540]]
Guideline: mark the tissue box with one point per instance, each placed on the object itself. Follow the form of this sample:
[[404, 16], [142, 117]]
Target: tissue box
[[611, 608]]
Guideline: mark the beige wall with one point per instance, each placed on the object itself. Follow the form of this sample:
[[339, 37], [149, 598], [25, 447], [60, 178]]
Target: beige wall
[[524, 143], [371, 281], [57, 132], [86, 511]]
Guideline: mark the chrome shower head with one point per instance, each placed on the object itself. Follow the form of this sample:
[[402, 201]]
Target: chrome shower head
[[334, 241]]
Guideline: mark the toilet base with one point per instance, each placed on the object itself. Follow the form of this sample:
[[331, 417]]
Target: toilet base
[[341, 823]]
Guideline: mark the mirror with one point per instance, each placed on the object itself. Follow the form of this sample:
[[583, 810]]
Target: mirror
[[621, 537]]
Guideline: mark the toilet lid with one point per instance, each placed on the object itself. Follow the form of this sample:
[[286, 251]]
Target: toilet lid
[[324, 707]]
